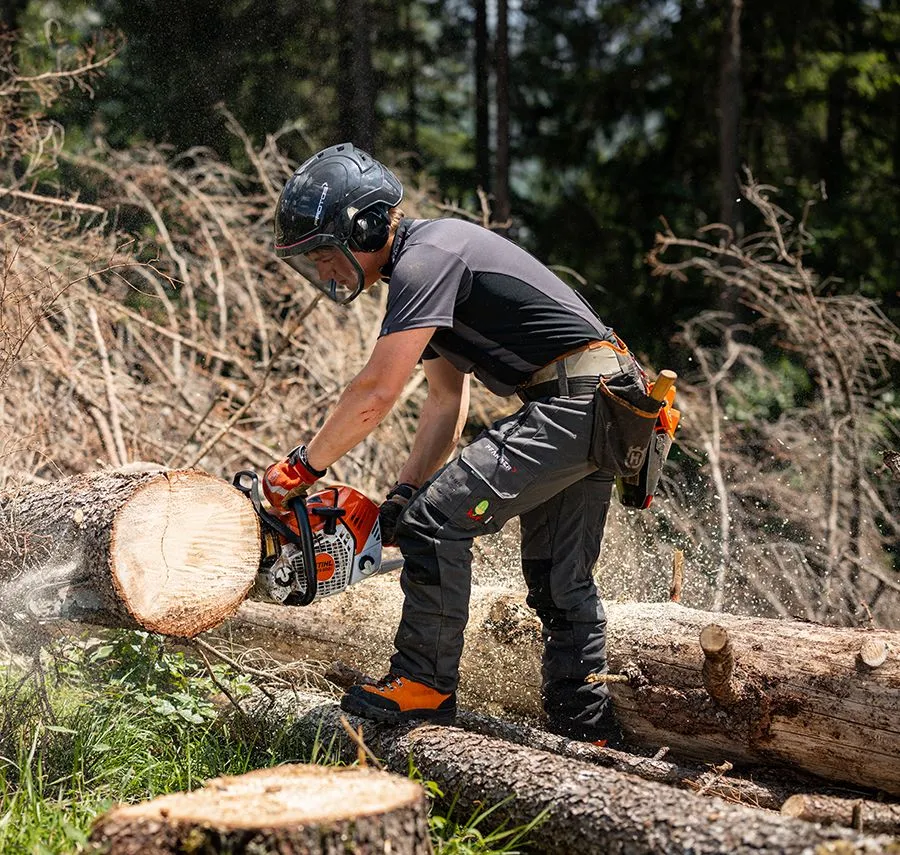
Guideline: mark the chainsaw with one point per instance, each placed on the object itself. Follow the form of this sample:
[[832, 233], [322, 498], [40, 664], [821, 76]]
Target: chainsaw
[[326, 542]]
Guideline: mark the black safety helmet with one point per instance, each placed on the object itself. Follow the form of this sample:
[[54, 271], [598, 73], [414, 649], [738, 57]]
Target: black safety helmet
[[340, 197]]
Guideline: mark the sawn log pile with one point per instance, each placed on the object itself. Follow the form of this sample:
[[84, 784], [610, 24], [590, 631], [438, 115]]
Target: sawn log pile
[[722, 696]]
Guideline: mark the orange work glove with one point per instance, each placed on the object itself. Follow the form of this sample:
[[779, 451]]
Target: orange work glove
[[289, 478]]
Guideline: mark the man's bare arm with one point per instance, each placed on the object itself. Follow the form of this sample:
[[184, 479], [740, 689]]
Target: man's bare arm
[[440, 422], [369, 396]]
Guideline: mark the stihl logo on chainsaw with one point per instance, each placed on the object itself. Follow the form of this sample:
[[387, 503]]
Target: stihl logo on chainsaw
[[325, 567]]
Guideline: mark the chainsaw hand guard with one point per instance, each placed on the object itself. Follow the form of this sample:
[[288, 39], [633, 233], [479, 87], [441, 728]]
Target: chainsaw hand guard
[[303, 592]]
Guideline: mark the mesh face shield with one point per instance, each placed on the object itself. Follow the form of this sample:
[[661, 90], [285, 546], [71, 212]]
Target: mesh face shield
[[348, 279]]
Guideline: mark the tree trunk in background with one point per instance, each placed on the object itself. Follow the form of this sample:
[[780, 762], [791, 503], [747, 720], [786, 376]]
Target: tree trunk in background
[[289, 810], [730, 113], [356, 77], [587, 809], [412, 101], [501, 58], [482, 98], [172, 552], [10, 11], [802, 696], [834, 166]]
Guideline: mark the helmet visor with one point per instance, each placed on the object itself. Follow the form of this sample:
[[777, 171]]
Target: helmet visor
[[329, 266]]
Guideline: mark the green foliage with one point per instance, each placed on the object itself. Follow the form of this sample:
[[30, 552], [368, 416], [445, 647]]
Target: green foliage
[[752, 401], [453, 835], [614, 109], [128, 717]]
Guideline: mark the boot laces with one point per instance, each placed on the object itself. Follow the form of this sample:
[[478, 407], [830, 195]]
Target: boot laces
[[389, 682]]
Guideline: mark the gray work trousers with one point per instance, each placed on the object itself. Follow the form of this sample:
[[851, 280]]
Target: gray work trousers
[[534, 465]]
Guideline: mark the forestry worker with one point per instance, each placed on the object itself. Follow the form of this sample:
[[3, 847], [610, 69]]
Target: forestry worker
[[463, 300]]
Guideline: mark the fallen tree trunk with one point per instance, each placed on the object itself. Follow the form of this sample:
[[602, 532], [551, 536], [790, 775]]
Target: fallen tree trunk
[[713, 782], [861, 814], [802, 697], [703, 780], [586, 809], [289, 810], [173, 552]]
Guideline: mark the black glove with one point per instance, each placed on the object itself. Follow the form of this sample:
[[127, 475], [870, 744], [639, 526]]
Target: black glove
[[389, 513]]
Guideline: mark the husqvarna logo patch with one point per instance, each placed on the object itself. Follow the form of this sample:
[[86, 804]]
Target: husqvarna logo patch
[[321, 204]]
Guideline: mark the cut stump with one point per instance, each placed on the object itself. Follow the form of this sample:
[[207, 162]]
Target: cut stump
[[173, 552], [285, 810]]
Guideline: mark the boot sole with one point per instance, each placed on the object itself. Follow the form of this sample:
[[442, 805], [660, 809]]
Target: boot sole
[[354, 705]]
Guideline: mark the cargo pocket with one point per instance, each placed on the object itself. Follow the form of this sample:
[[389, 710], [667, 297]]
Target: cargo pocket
[[500, 457], [624, 419]]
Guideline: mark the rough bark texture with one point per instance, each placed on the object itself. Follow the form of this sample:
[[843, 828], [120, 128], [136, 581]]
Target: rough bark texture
[[288, 810], [804, 699], [173, 552], [862, 814], [701, 779], [587, 809]]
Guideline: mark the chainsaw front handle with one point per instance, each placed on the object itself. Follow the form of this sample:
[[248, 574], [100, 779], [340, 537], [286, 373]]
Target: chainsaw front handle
[[247, 482]]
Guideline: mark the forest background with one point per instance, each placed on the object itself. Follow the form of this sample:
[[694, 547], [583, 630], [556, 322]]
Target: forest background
[[635, 145]]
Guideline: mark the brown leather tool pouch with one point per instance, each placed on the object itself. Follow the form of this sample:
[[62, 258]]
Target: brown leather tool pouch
[[624, 420]]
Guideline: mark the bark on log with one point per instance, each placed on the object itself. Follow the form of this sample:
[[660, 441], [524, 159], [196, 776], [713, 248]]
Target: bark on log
[[700, 779], [861, 814], [588, 809], [288, 810], [173, 552], [806, 702]]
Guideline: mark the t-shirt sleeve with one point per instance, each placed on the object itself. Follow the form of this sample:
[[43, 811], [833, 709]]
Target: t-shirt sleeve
[[423, 289]]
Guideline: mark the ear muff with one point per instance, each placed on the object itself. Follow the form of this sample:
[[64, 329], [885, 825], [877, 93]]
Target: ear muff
[[370, 230]]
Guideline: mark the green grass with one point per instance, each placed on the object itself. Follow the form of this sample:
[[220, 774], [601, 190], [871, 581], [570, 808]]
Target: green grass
[[127, 719]]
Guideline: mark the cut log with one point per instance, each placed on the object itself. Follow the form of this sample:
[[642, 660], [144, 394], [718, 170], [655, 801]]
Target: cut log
[[806, 701], [173, 552], [288, 810], [702, 780], [586, 809], [861, 814]]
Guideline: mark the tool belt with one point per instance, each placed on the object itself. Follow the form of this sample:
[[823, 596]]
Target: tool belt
[[576, 374], [624, 415]]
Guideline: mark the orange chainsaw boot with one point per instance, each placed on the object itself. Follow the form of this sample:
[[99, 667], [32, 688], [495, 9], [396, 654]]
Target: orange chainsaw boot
[[395, 700]]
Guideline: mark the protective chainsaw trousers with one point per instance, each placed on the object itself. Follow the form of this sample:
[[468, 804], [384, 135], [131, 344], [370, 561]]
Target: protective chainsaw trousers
[[534, 465]]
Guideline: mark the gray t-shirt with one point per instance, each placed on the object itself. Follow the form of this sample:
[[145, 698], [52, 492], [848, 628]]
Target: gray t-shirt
[[500, 313]]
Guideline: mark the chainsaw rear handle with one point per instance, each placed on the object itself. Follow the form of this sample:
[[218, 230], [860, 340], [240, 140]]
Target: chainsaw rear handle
[[248, 483]]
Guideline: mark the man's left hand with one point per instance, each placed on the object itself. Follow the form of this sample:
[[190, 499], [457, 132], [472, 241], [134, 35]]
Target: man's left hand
[[391, 509]]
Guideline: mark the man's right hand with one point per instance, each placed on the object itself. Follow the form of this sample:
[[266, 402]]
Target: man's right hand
[[289, 478], [389, 513]]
